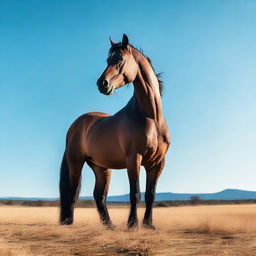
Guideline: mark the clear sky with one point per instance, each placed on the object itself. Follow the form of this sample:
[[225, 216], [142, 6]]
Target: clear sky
[[52, 52]]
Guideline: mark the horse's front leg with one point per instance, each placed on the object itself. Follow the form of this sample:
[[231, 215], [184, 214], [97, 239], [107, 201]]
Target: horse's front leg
[[152, 177], [133, 169]]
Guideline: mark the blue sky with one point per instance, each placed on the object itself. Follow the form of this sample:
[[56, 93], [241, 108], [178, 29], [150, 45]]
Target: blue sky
[[52, 53]]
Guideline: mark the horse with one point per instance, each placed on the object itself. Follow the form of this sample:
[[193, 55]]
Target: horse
[[136, 135]]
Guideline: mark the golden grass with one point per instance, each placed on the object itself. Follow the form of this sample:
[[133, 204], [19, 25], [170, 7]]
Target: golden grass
[[200, 230]]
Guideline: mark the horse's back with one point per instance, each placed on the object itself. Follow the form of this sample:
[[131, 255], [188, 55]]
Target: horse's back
[[84, 121]]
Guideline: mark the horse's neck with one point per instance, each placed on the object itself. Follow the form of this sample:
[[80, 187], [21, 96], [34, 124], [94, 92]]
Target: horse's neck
[[146, 91]]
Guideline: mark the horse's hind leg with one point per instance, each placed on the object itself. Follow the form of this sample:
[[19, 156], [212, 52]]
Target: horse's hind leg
[[152, 177], [102, 180], [133, 169], [70, 176]]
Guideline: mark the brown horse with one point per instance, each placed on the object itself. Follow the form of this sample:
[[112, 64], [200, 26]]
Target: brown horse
[[136, 135]]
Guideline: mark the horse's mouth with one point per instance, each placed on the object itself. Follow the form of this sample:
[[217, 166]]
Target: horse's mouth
[[106, 91], [110, 91]]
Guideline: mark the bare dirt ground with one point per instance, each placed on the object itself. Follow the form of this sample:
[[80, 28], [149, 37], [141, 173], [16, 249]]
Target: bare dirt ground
[[191, 230]]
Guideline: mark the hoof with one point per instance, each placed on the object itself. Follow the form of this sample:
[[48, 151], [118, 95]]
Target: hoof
[[148, 225], [109, 226], [67, 221], [133, 226], [152, 227]]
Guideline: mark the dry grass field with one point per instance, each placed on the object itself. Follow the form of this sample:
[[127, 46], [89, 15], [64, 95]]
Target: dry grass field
[[190, 230]]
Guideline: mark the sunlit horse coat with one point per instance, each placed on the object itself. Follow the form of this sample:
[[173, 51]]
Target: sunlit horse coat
[[136, 135]]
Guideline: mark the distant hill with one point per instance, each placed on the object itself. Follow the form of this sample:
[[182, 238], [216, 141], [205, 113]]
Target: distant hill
[[227, 194]]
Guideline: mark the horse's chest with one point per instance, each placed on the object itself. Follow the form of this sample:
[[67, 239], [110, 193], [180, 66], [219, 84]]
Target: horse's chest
[[156, 144], [157, 141]]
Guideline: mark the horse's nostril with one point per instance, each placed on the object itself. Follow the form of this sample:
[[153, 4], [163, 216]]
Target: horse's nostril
[[105, 83]]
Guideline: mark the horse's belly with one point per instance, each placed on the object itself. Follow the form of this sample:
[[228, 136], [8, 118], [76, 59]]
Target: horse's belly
[[108, 159], [111, 164], [105, 152]]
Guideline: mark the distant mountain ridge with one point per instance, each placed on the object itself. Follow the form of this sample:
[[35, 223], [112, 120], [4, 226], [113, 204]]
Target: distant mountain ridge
[[227, 194]]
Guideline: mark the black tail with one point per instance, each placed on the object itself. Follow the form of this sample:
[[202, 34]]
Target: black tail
[[68, 195]]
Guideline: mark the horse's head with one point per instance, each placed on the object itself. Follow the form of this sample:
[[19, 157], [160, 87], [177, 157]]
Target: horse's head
[[122, 67]]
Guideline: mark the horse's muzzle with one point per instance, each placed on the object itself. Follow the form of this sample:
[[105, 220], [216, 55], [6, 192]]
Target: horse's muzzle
[[104, 86]]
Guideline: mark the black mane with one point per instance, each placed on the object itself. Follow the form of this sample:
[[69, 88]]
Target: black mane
[[118, 46]]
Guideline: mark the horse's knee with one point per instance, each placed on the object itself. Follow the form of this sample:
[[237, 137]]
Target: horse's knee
[[99, 197], [149, 196], [135, 197]]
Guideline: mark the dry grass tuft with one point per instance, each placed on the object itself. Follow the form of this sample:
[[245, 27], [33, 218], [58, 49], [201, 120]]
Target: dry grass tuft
[[199, 230]]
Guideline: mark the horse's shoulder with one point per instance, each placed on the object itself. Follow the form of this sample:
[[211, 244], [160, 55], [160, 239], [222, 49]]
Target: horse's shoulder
[[147, 133], [155, 132]]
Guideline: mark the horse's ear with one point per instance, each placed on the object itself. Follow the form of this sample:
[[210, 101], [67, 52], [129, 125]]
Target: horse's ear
[[125, 40], [111, 41]]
